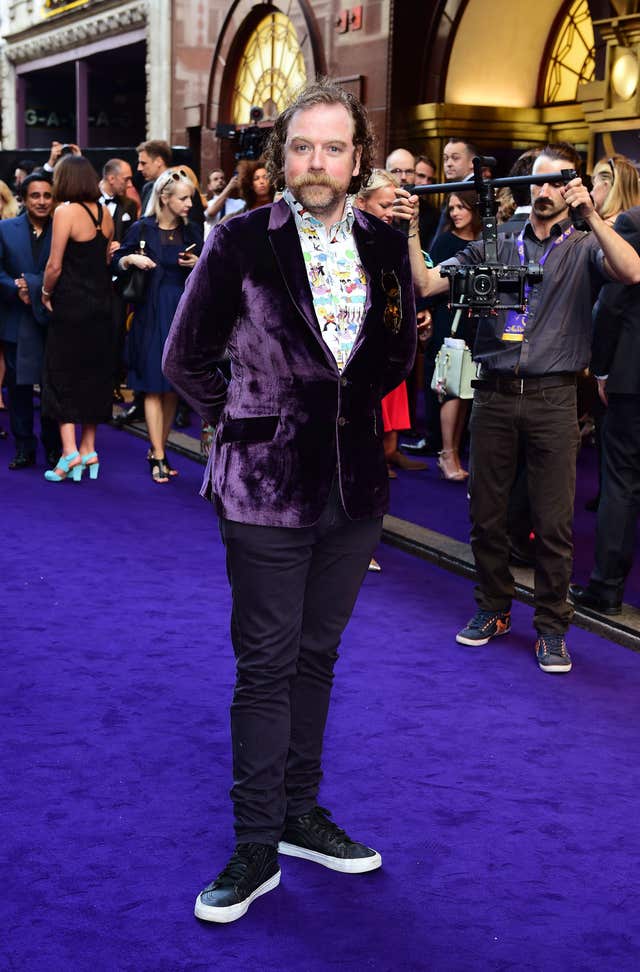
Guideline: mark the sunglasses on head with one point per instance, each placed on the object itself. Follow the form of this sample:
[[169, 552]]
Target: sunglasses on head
[[177, 175]]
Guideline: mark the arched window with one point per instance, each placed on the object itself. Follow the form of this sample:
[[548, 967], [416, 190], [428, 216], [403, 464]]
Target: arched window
[[572, 57], [270, 70]]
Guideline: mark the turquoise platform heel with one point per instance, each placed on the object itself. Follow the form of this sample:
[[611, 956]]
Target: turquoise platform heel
[[90, 462], [65, 466]]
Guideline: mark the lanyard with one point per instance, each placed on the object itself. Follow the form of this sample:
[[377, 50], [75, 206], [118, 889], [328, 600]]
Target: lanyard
[[515, 322], [543, 259]]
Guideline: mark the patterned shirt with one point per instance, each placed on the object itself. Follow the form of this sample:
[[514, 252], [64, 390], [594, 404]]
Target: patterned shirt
[[336, 277]]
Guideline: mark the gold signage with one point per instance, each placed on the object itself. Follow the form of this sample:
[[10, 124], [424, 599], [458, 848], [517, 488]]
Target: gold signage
[[51, 8]]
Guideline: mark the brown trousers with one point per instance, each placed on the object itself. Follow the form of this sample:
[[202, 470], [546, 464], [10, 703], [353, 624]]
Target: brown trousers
[[545, 423]]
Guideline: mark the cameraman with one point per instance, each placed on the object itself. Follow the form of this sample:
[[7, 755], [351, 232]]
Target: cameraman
[[526, 396]]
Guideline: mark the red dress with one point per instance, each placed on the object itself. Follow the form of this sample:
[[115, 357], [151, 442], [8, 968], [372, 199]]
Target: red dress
[[395, 410]]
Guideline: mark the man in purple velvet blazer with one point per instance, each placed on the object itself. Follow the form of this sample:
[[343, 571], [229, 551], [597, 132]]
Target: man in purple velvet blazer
[[313, 302]]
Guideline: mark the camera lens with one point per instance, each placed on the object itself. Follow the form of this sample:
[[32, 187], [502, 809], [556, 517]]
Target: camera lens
[[482, 285]]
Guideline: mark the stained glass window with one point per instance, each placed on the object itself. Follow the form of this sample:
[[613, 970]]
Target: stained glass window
[[271, 69], [572, 60]]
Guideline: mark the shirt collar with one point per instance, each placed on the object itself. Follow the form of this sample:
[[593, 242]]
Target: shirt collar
[[556, 230], [36, 231], [305, 219]]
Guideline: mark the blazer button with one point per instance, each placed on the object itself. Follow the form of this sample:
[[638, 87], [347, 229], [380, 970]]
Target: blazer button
[[342, 420], [344, 382]]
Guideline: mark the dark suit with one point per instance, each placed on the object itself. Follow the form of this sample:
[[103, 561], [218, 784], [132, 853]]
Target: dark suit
[[298, 476], [23, 330], [124, 214], [616, 353]]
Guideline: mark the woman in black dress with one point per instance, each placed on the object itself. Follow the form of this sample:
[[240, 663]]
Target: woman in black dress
[[76, 288], [464, 225]]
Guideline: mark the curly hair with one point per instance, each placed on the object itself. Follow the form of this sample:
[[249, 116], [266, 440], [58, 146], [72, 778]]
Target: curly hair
[[322, 92], [247, 168]]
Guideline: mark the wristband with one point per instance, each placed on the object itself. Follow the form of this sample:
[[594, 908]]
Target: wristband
[[47, 293]]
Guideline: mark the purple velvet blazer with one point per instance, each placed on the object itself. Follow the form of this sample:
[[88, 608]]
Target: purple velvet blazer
[[288, 421]]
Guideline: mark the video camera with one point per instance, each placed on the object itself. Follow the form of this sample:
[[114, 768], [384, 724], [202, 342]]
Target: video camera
[[250, 139], [478, 288]]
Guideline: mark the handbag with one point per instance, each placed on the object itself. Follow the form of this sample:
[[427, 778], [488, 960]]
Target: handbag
[[132, 283], [454, 368]]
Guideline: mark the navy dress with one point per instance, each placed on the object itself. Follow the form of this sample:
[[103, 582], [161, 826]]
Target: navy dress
[[152, 319]]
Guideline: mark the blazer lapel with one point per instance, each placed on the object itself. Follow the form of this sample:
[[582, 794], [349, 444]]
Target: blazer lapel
[[285, 243], [46, 247], [365, 240], [23, 240]]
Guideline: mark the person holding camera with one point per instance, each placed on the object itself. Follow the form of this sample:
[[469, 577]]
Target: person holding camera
[[526, 395], [60, 150], [171, 248]]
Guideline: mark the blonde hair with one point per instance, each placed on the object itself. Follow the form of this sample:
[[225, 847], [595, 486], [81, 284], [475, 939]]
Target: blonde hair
[[625, 186], [379, 179], [9, 202], [191, 175], [165, 185]]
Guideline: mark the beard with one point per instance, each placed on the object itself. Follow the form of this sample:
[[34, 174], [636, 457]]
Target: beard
[[545, 208], [317, 193]]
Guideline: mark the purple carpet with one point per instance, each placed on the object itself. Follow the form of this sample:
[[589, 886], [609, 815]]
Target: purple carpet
[[428, 500], [503, 801]]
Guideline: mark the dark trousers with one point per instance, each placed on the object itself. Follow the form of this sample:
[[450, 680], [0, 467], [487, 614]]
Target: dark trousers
[[620, 496], [20, 405], [545, 423], [293, 593]]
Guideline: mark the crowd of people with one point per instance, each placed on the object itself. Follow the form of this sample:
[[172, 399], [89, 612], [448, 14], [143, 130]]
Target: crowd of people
[[71, 241], [66, 254], [318, 304]]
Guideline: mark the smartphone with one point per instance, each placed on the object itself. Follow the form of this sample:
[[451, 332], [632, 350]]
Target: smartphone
[[187, 250]]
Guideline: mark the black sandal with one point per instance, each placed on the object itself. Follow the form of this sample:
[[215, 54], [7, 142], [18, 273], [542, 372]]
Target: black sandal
[[158, 471], [169, 470]]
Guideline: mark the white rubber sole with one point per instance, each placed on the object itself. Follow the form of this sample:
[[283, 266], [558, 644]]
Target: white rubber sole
[[555, 669], [485, 641], [233, 912], [355, 865]]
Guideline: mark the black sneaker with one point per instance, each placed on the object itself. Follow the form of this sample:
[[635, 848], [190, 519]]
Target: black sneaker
[[253, 870], [316, 838], [484, 626], [552, 654]]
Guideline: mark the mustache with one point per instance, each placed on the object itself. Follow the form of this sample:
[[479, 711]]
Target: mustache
[[317, 179]]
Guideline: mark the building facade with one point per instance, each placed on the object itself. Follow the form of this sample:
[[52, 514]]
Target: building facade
[[506, 75]]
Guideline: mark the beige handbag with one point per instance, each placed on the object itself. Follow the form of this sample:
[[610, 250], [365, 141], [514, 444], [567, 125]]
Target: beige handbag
[[454, 368]]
